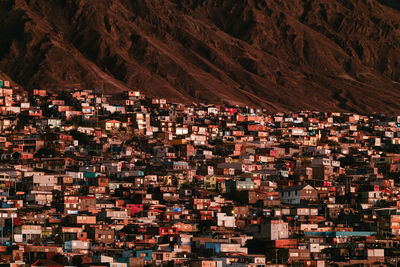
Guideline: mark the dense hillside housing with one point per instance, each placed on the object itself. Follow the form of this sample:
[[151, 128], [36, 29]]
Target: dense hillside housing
[[88, 179]]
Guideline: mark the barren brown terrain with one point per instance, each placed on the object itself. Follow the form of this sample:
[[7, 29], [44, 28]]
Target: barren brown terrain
[[277, 54]]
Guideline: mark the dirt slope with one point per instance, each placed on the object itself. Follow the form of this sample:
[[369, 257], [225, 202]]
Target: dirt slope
[[280, 55]]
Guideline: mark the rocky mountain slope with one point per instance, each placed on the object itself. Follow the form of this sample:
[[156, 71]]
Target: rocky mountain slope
[[276, 54]]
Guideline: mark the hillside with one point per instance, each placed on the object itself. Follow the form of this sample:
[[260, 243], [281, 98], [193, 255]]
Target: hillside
[[281, 55]]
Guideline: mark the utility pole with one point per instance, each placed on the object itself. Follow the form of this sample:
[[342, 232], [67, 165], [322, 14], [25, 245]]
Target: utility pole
[[2, 229], [12, 227]]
